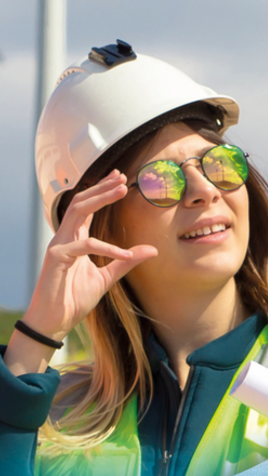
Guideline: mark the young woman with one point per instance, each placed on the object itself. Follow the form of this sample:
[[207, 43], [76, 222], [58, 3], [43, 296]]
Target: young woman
[[157, 256]]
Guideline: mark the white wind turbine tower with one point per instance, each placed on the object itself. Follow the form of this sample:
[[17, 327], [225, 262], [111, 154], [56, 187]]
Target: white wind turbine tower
[[51, 62]]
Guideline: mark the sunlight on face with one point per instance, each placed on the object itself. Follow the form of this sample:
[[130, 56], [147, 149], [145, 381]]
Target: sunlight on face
[[182, 263]]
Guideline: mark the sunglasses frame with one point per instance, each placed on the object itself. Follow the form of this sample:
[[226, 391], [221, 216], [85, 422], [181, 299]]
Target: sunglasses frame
[[136, 184]]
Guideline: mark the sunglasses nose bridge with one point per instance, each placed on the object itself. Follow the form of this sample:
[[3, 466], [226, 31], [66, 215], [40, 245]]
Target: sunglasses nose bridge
[[200, 190], [198, 166], [190, 158]]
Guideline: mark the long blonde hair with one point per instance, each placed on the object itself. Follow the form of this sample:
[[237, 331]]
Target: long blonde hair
[[117, 328], [120, 364]]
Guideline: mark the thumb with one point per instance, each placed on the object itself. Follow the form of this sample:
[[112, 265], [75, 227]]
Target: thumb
[[119, 268]]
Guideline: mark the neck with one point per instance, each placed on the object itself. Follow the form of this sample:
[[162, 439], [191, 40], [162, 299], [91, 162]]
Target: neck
[[189, 320]]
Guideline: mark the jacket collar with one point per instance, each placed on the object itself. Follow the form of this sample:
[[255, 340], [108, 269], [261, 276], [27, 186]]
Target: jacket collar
[[225, 352]]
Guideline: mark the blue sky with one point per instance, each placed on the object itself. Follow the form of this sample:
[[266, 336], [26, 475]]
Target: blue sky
[[220, 44]]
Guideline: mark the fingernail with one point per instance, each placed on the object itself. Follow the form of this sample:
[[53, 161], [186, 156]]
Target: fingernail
[[127, 253], [122, 185], [114, 172]]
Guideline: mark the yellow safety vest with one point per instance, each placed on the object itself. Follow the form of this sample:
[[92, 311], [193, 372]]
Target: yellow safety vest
[[236, 439]]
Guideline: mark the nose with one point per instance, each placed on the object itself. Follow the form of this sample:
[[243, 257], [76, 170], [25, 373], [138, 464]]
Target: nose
[[199, 190]]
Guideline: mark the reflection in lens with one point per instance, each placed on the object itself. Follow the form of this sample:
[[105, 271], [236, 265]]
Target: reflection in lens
[[226, 166], [162, 183]]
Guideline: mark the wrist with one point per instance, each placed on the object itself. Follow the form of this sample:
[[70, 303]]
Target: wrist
[[24, 355], [42, 325], [37, 336]]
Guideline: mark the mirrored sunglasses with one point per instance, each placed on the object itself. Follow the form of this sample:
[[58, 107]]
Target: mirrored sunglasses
[[163, 182]]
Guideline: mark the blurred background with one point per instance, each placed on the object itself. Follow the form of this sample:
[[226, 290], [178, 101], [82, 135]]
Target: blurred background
[[220, 44]]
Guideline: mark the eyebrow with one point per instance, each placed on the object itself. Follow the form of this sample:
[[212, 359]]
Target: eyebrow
[[205, 150]]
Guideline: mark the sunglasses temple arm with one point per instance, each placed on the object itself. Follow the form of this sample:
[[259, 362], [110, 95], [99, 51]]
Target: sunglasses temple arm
[[135, 184]]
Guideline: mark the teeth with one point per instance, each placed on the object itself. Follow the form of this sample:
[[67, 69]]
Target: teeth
[[206, 230], [216, 228]]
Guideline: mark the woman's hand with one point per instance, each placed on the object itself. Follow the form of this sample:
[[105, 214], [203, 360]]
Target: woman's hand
[[70, 284]]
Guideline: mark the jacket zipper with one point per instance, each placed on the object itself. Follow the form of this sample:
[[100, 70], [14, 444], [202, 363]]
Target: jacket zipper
[[164, 462], [167, 455]]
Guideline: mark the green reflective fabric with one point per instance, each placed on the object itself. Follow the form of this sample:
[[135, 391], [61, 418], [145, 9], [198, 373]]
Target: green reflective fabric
[[119, 455], [236, 438]]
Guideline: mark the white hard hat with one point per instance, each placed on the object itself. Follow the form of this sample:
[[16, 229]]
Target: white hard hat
[[100, 100]]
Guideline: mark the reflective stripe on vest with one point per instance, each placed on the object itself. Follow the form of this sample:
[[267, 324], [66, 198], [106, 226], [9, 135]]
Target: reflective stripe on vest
[[119, 455], [236, 439]]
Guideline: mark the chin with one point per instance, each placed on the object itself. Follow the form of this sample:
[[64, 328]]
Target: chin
[[215, 275], [210, 269]]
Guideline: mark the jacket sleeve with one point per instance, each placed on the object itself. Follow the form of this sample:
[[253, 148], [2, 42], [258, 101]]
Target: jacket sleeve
[[24, 405]]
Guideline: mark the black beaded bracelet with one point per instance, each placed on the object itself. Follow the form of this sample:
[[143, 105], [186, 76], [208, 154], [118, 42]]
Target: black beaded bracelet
[[22, 327]]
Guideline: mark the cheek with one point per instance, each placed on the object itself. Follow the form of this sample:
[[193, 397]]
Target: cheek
[[244, 207], [127, 223], [134, 226], [139, 223], [240, 206]]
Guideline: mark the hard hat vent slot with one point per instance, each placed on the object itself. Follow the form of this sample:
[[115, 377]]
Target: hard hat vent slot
[[68, 72]]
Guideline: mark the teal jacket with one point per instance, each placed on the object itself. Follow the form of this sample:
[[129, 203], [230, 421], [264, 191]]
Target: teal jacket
[[25, 401]]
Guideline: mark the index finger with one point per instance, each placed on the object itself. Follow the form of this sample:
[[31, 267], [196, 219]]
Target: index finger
[[81, 209]]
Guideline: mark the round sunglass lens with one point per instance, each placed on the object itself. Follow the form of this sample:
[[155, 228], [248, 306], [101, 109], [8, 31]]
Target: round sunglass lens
[[162, 183], [226, 166]]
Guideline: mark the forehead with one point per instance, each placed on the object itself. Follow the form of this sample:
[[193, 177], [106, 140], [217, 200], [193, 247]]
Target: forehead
[[175, 142]]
